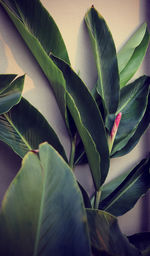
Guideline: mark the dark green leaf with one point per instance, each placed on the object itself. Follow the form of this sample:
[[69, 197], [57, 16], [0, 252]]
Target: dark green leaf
[[23, 128], [109, 187], [132, 53], [106, 59], [5, 80], [85, 196], [143, 125], [40, 23], [89, 123], [10, 91], [42, 212], [133, 104], [124, 197], [142, 242], [34, 25], [106, 237]]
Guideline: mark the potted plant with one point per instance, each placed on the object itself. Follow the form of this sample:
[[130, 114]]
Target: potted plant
[[45, 210]]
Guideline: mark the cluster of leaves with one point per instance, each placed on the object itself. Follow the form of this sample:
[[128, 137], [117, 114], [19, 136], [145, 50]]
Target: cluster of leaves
[[45, 211]]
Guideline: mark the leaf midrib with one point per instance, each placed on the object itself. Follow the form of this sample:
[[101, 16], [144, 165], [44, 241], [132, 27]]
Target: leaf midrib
[[17, 131]]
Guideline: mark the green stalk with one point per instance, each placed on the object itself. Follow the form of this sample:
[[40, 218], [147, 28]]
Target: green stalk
[[97, 199]]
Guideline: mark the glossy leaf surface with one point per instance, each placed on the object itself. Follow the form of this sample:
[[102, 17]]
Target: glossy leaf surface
[[89, 123], [23, 128], [124, 197], [32, 219], [34, 25], [106, 237], [132, 53], [105, 57], [10, 91], [133, 104]]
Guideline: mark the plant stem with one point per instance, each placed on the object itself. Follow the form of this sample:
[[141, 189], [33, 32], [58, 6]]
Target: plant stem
[[97, 199], [72, 153]]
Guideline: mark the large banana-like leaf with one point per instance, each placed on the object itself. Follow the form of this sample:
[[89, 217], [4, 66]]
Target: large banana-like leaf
[[42, 212], [106, 237], [124, 197], [106, 59], [132, 53], [89, 123], [143, 125], [10, 91], [133, 104], [23, 128], [41, 35], [37, 20]]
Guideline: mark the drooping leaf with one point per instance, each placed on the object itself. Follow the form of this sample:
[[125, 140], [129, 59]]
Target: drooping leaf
[[142, 242], [142, 127], [133, 104], [124, 197], [106, 237], [10, 91], [106, 59], [89, 123], [35, 25], [23, 128], [42, 212], [132, 53]]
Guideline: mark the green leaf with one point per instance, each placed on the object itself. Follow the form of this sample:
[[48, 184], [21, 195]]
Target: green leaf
[[133, 104], [124, 197], [106, 59], [41, 35], [40, 23], [85, 196], [42, 212], [132, 53], [23, 128], [143, 125], [142, 242], [109, 187], [79, 100], [106, 237], [10, 91]]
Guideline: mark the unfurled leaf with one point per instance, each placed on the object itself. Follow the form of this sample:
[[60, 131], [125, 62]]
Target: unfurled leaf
[[132, 53], [10, 91], [142, 242], [106, 59], [124, 197], [133, 104], [23, 128], [38, 30], [32, 219], [106, 237], [88, 121]]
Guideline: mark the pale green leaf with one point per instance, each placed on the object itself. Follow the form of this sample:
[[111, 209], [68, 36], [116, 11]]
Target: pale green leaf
[[42, 212]]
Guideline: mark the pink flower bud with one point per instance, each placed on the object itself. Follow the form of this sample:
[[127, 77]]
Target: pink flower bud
[[114, 130]]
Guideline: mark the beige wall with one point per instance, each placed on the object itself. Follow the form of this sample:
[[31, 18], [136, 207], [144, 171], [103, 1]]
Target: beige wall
[[123, 17]]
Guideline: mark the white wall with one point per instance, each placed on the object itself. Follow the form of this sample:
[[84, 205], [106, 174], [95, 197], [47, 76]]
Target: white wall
[[123, 17]]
